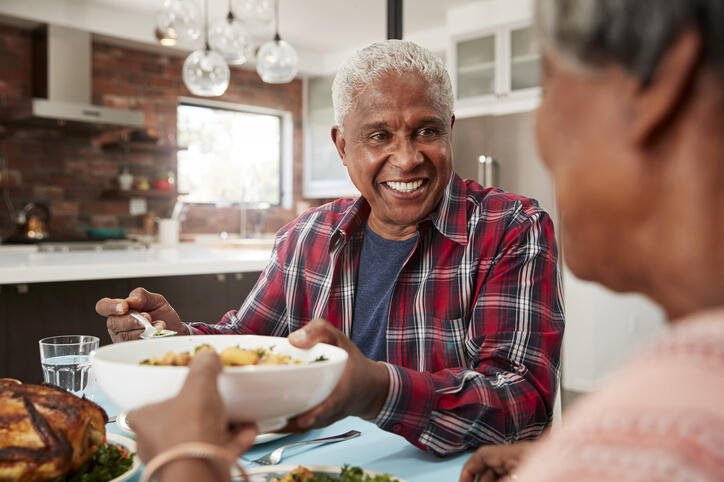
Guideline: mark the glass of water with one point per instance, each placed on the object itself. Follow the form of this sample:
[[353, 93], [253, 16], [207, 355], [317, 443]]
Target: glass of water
[[66, 362]]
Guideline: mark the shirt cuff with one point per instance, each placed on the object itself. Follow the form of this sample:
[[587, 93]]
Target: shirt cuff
[[192, 330], [408, 406]]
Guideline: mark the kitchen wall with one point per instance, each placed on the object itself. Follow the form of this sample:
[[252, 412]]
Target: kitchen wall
[[70, 171]]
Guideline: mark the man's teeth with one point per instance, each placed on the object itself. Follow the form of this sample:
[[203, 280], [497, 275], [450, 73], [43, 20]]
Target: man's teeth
[[405, 186]]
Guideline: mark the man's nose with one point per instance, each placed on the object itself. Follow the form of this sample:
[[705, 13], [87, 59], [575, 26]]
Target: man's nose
[[406, 156]]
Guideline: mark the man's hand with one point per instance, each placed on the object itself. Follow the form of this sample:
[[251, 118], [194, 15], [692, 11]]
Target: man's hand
[[362, 389], [196, 414], [494, 462], [123, 327]]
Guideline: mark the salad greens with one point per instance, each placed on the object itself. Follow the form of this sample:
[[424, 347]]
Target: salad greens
[[107, 463]]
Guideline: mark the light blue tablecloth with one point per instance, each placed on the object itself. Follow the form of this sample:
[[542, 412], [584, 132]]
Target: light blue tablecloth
[[374, 450]]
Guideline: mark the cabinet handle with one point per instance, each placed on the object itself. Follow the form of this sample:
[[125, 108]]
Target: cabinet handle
[[239, 276], [23, 289], [221, 277]]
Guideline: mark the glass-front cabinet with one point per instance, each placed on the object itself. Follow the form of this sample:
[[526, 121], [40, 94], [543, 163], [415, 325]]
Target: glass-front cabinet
[[324, 174], [496, 71], [476, 67]]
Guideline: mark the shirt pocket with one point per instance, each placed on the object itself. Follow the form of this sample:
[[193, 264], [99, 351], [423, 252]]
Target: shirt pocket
[[445, 344]]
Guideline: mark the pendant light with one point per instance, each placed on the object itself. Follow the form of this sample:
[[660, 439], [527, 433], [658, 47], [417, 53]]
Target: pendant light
[[178, 21], [277, 61], [257, 16], [205, 72], [229, 38]]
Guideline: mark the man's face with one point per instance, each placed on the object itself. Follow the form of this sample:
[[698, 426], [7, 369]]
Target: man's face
[[584, 136], [397, 149]]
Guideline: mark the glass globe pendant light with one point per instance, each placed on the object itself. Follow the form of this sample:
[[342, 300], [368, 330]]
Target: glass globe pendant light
[[277, 61], [256, 15], [178, 20], [229, 38], [205, 72]]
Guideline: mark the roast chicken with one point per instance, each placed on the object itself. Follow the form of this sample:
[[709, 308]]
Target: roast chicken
[[46, 432]]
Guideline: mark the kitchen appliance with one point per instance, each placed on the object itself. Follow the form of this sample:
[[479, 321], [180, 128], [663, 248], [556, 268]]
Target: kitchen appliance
[[61, 86], [488, 171], [32, 222]]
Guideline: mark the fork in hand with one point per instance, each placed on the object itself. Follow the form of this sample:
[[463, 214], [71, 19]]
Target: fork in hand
[[273, 458]]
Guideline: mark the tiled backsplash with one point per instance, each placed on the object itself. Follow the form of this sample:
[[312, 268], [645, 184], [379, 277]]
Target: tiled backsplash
[[69, 172]]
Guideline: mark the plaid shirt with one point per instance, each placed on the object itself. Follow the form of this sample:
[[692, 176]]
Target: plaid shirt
[[474, 324]]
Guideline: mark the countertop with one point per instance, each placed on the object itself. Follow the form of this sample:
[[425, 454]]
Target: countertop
[[27, 265]]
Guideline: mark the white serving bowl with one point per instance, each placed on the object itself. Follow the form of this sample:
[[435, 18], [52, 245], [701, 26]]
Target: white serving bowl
[[265, 394]]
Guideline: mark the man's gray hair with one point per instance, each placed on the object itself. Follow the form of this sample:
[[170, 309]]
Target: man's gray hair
[[390, 56], [632, 33]]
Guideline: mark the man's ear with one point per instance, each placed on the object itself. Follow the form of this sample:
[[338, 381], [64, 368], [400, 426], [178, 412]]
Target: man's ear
[[339, 143], [656, 104]]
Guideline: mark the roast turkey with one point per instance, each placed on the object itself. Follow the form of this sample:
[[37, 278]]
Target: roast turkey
[[46, 432]]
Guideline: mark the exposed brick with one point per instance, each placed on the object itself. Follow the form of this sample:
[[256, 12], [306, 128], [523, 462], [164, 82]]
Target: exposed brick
[[48, 193], [64, 208]]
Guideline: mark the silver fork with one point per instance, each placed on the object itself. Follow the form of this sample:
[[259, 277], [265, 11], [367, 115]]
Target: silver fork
[[274, 457]]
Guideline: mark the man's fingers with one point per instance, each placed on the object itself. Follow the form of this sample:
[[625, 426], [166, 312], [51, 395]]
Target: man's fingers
[[475, 465], [242, 437], [111, 306], [316, 331], [142, 300]]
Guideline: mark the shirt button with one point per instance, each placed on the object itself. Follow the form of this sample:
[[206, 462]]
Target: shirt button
[[397, 427]]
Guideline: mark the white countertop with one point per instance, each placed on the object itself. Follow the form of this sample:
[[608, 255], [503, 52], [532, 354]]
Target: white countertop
[[26, 265]]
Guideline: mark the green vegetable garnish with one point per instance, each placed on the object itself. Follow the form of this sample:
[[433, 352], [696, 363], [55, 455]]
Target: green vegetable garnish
[[321, 358], [107, 463]]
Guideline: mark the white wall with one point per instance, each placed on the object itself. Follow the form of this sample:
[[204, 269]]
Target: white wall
[[603, 330]]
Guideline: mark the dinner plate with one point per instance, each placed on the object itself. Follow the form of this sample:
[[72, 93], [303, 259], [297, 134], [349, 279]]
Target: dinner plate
[[262, 438], [129, 445], [267, 472]]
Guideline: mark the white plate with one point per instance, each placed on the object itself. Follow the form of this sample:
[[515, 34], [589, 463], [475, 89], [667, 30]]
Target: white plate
[[129, 445], [262, 438], [266, 473]]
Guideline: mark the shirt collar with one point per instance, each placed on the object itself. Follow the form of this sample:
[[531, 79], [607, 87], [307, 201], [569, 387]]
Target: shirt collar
[[449, 217]]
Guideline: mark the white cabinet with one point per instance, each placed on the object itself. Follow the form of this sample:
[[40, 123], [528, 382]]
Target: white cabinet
[[495, 71], [324, 174]]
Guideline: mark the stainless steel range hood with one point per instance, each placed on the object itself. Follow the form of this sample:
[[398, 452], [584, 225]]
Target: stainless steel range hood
[[62, 86]]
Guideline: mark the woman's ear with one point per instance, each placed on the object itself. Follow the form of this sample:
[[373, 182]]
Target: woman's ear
[[656, 103]]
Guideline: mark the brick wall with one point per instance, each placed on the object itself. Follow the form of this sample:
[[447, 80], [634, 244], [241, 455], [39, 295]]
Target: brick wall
[[70, 171]]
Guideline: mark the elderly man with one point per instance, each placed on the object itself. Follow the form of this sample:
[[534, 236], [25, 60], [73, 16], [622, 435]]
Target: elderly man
[[632, 128], [444, 294]]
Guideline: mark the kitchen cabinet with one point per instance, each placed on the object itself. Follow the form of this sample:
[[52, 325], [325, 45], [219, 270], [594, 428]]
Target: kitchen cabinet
[[495, 71], [36, 310], [324, 174]]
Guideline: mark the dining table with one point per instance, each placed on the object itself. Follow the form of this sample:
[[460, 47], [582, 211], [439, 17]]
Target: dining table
[[375, 450]]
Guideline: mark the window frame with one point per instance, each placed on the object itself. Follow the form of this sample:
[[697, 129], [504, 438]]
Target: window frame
[[286, 142]]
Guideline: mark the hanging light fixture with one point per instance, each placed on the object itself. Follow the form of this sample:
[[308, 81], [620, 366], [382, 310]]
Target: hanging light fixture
[[257, 16], [229, 38], [205, 72], [277, 61], [178, 21]]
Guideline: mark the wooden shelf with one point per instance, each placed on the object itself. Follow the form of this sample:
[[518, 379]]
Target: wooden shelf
[[143, 147], [136, 193]]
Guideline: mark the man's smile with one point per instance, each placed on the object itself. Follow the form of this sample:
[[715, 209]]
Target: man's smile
[[404, 186]]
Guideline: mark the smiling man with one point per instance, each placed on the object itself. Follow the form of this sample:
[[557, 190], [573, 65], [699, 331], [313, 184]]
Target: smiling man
[[445, 294]]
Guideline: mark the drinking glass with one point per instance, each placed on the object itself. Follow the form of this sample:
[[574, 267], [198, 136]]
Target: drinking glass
[[66, 362]]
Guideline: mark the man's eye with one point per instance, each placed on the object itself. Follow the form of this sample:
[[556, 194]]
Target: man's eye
[[427, 132], [378, 136]]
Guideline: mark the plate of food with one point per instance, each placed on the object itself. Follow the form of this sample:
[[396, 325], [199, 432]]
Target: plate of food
[[51, 434], [315, 473], [262, 438], [265, 380]]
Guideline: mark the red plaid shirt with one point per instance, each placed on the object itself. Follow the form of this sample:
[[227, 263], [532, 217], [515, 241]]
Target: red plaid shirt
[[474, 324]]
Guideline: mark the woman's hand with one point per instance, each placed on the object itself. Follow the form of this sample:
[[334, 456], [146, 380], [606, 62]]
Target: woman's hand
[[494, 462], [196, 414]]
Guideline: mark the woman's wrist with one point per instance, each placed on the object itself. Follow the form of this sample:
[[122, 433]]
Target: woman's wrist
[[194, 461]]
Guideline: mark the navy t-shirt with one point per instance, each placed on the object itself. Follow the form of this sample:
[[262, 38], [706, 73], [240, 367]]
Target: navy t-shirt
[[379, 265]]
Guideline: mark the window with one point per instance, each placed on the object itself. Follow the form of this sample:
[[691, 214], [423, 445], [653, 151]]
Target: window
[[232, 155]]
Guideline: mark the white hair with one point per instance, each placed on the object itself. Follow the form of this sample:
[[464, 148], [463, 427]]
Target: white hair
[[390, 56], [633, 33]]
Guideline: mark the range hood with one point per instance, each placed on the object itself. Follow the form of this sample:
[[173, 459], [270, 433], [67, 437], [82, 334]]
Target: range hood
[[61, 91]]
